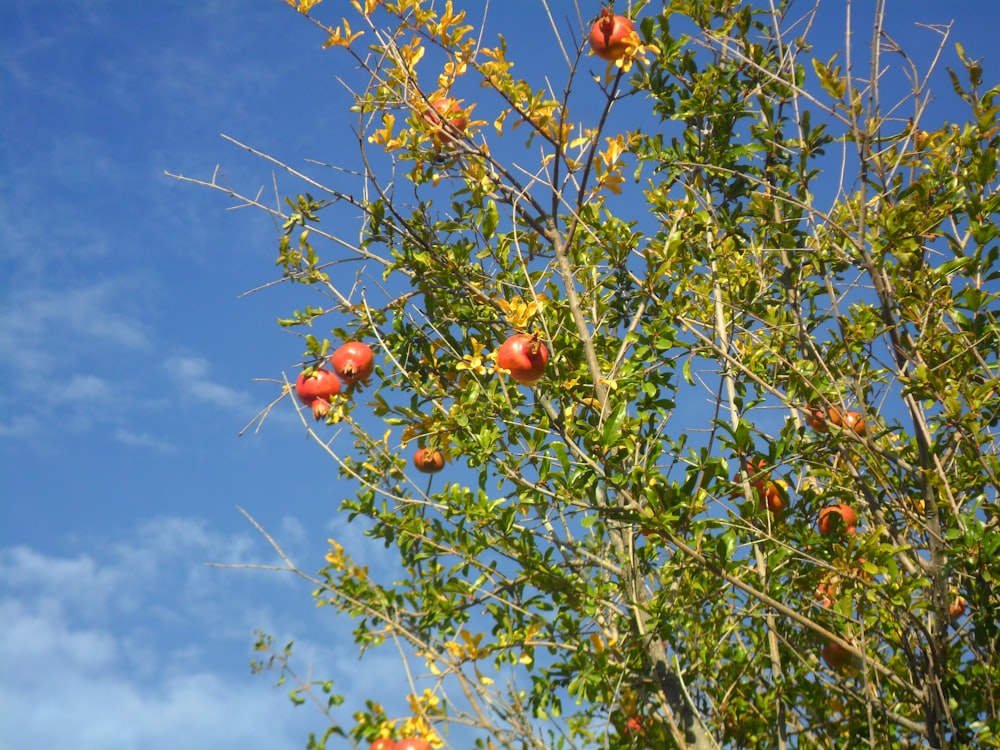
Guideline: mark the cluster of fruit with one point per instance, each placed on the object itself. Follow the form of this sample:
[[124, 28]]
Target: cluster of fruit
[[523, 356], [834, 520], [610, 37], [316, 386], [820, 420]]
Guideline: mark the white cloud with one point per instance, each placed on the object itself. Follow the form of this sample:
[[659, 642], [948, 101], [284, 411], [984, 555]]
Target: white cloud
[[144, 440], [79, 318], [114, 711], [20, 426], [89, 388], [136, 644], [193, 375], [44, 646]]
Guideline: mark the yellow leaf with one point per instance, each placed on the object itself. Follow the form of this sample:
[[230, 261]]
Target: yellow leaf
[[483, 679], [303, 6], [370, 6]]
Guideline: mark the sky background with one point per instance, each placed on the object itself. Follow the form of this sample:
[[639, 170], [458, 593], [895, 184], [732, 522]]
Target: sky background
[[129, 365]]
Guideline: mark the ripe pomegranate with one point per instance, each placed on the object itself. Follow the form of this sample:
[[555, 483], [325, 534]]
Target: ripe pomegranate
[[524, 356], [770, 498], [837, 657], [957, 607], [353, 362], [756, 470], [383, 743], [768, 494], [826, 592], [445, 109], [315, 388], [429, 462], [833, 518], [633, 725], [820, 419], [608, 34], [413, 743], [817, 418], [854, 421]]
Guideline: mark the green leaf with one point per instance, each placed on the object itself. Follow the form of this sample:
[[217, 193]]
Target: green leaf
[[491, 217]]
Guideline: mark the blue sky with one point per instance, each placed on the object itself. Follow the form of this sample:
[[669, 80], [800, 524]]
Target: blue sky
[[130, 366]]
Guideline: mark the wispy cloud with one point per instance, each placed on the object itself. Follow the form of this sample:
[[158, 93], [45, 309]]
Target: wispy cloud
[[194, 376], [21, 426], [35, 317], [144, 440], [79, 687], [127, 647]]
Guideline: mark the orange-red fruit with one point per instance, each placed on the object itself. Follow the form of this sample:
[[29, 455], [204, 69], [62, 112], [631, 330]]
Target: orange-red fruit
[[633, 725], [353, 362], [608, 34], [833, 518], [817, 418], [446, 110], [957, 607], [429, 462], [413, 743], [524, 356], [837, 657], [755, 472], [383, 743], [755, 469], [315, 389], [855, 422], [820, 419], [768, 494], [826, 593], [770, 498]]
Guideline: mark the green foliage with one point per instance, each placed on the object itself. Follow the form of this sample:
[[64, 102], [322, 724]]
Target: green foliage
[[597, 565]]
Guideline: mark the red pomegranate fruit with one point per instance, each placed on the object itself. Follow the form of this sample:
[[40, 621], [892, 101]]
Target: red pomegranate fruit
[[608, 34], [524, 356], [353, 362], [315, 388]]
